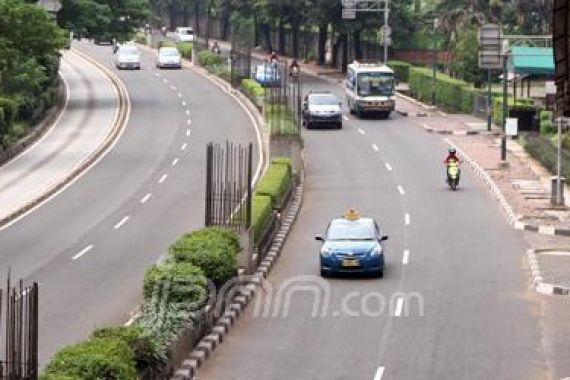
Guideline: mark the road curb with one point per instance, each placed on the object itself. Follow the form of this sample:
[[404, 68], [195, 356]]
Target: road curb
[[119, 124], [538, 280], [233, 311], [428, 128], [416, 102]]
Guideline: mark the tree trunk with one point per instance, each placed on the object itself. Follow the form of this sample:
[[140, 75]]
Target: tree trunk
[[344, 63], [225, 25], [295, 40], [281, 37], [185, 16], [172, 13], [334, 56], [256, 38], [323, 29], [267, 35], [357, 45], [197, 18]]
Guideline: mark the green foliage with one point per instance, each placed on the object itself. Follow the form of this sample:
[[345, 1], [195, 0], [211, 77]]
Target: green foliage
[[213, 250], [543, 150], [466, 62], [9, 111], [185, 49], [94, 359], [149, 357], [254, 90], [261, 211], [281, 120], [401, 69], [184, 283], [208, 58], [520, 104], [140, 38], [546, 124], [166, 43], [275, 183]]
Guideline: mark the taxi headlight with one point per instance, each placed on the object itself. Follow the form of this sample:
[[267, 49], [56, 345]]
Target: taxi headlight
[[325, 252]]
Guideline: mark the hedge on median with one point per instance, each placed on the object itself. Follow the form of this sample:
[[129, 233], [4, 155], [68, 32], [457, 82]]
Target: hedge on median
[[213, 250], [401, 70], [185, 49], [208, 58], [276, 182], [184, 283], [254, 90], [261, 211]]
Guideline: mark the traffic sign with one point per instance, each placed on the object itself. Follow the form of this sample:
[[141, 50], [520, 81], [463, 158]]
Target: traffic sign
[[348, 13], [385, 30]]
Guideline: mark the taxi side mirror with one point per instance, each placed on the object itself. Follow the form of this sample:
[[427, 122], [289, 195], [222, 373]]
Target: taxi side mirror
[[319, 238], [384, 238]]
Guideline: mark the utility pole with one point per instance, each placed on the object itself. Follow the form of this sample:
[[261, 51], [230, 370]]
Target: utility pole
[[386, 29], [434, 65]]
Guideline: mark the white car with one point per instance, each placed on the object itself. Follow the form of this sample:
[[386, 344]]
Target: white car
[[184, 34], [128, 57], [169, 57]]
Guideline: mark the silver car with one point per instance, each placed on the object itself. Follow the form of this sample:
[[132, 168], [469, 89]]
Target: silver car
[[169, 57], [128, 57], [322, 109]]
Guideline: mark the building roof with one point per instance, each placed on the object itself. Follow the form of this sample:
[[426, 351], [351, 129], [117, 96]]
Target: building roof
[[531, 61]]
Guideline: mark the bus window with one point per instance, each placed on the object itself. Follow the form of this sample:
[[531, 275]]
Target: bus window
[[375, 84]]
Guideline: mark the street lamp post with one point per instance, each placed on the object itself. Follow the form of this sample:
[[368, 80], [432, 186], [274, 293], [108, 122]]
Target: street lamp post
[[505, 107], [434, 64], [386, 34]]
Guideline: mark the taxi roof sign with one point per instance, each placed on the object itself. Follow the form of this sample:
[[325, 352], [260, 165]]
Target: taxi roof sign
[[352, 214]]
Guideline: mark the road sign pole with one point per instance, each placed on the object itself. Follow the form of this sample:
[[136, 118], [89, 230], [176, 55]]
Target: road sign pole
[[489, 101], [505, 109]]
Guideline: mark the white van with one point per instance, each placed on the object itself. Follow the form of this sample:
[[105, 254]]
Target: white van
[[184, 34], [370, 87]]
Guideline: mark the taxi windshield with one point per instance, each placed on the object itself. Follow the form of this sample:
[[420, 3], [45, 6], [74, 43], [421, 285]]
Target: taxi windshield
[[375, 84], [348, 230]]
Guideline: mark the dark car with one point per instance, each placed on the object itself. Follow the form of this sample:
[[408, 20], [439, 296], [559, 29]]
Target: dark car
[[352, 244], [322, 109]]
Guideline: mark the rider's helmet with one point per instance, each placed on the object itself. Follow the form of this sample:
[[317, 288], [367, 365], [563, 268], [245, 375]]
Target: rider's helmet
[[452, 151]]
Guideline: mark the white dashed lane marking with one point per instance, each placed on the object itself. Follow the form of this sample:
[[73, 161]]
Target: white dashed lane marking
[[188, 121], [406, 258], [146, 198], [83, 251], [179, 95], [188, 112], [163, 178], [399, 307], [401, 190], [389, 167], [361, 131], [379, 373], [121, 222], [173, 88], [345, 117], [184, 146], [175, 161], [375, 147], [184, 103], [407, 219], [188, 132]]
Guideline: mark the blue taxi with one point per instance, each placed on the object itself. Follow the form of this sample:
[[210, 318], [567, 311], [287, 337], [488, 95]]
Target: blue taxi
[[352, 244]]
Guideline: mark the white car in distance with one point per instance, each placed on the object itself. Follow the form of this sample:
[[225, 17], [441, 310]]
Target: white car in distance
[[169, 57], [184, 34], [128, 57]]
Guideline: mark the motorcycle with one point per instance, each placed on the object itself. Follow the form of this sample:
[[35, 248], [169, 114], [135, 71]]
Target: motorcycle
[[294, 72], [453, 173]]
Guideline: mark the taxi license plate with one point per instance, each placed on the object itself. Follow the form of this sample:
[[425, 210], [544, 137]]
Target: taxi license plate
[[350, 263]]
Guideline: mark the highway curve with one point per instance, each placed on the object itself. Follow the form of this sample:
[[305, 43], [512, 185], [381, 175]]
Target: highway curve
[[89, 246], [451, 257]]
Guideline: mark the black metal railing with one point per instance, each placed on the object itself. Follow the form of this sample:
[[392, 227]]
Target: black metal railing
[[19, 314], [228, 185]]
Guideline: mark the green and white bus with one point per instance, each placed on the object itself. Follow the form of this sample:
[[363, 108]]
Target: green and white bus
[[370, 87]]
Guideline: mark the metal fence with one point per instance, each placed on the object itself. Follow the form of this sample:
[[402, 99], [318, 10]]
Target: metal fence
[[283, 97], [228, 185], [241, 65], [19, 315]]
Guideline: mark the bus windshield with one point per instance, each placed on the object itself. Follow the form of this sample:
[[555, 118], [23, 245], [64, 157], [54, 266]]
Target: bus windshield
[[375, 84]]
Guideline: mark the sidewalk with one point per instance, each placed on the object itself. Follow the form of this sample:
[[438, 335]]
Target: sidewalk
[[79, 134]]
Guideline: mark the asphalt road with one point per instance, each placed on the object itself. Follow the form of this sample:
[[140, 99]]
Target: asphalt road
[[90, 245], [454, 303]]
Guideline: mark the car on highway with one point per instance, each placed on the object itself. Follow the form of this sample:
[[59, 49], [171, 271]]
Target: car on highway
[[322, 108], [169, 57], [184, 34], [352, 244], [128, 57], [267, 75]]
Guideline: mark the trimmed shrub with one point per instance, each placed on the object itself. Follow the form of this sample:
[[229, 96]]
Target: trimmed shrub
[[282, 161], [211, 250], [523, 104], [275, 183], [150, 358], [261, 210], [166, 43], [183, 282], [95, 359], [254, 90], [140, 38], [546, 124], [208, 58], [185, 49], [401, 70]]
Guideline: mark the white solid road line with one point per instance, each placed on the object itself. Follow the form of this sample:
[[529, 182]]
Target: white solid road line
[[406, 258], [146, 198], [188, 132], [175, 161], [379, 373], [83, 251], [389, 167], [163, 178], [407, 218], [375, 147], [345, 117], [184, 146], [399, 307], [361, 131], [401, 190], [122, 222]]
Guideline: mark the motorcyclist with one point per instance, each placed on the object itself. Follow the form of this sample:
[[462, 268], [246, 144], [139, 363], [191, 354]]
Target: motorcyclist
[[294, 69], [273, 57], [449, 159], [216, 48]]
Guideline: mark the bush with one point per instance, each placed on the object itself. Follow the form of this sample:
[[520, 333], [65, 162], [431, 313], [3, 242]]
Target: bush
[[254, 90], [261, 211], [10, 110], [166, 43], [185, 282], [275, 183], [210, 249], [546, 124], [140, 38], [542, 149], [401, 69], [523, 104], [185, 49], [95, 359], [150, 358], [208, 58]]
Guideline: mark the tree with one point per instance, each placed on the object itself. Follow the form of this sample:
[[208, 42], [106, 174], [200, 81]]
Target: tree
[[465, 64]]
